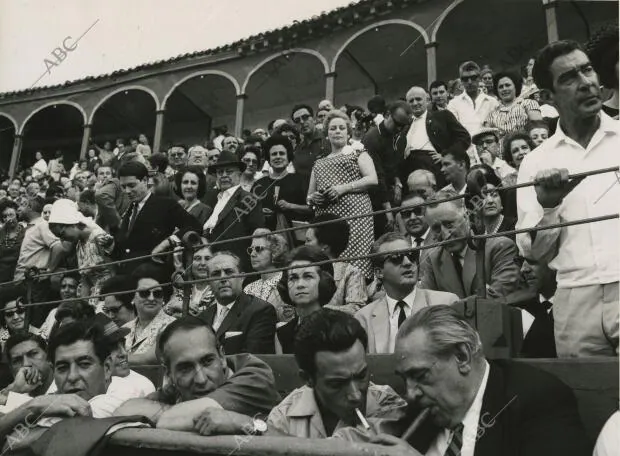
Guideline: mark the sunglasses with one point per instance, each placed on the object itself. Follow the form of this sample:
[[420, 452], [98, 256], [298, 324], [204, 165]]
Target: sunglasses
[[157, 294], [302, 118], [417, 211], [398, 258], [112, 310], [12, 313], [249, 160], [256, 248], [470, 78]]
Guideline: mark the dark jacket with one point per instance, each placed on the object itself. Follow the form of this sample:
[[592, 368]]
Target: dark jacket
[[111, 204], [240, 217], [254, 320], [525, 412], [379, 144], [158, 219]]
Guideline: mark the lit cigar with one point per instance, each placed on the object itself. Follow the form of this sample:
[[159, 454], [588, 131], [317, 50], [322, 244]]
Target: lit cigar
[[362, 419], [416, 424]]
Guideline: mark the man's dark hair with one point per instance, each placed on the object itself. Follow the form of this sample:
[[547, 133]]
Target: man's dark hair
[[515, 78], [545, 58], [202, 180], [87, 196], [279, 140], [72, 275], [297, 107], [377, 105], [133, 168], [120, 284], [459, 155], [159, 162], [399, 104], [391, 236], [437, 84], [23, 336], [335, 235], [186, 323], [326, 330], [77, 331], [78, 310], [154, 272]]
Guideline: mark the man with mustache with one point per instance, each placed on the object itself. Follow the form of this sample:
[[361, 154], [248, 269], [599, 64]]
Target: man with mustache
[[403, 298], [586, 318]]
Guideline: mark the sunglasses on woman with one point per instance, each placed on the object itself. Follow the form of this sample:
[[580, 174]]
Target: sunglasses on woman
[[157, 294], [12, 313], [256, 248]]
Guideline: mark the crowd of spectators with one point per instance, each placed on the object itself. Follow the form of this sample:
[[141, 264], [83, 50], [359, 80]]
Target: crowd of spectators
[[112, 228]]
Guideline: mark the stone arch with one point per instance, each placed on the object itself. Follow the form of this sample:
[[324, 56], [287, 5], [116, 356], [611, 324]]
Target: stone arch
[[123, 89], [234, 82], [52, 103], [441, 18]]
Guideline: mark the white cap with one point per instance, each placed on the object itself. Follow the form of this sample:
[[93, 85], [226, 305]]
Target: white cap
[[65, 212]]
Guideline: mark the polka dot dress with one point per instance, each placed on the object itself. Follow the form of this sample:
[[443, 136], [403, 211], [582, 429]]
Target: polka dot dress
[[343, 169]]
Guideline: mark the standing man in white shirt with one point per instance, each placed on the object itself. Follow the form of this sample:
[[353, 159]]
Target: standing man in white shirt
[[399, 275], [584, 256], [472, 107]]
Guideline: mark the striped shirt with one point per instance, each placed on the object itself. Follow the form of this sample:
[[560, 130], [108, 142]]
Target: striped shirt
[[511, 118]]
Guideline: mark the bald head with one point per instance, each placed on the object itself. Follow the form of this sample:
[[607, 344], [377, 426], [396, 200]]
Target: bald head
[[418, 100]]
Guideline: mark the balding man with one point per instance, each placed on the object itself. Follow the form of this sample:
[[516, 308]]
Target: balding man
[[428, 136], [422, 182], [478, 407]]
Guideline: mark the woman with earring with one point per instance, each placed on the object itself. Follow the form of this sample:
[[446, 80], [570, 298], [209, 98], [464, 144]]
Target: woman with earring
[[307, 288], [339, 184], [149, 300]]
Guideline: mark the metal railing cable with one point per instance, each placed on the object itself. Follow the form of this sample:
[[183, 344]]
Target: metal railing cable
[[305, 226], [341, 259]]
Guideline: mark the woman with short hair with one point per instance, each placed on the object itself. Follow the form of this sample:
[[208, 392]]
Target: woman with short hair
[[190, 186]]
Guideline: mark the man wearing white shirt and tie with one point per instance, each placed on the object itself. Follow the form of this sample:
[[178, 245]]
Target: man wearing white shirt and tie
[[399, 275]]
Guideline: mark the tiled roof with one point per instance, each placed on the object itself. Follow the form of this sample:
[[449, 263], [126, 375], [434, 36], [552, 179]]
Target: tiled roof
[[281, 38]]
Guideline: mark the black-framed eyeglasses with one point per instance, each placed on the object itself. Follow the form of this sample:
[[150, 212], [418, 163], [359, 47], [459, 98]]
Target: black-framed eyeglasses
[[157, 294], [398, 258], [417, 211], [301, 118], [256, 248]]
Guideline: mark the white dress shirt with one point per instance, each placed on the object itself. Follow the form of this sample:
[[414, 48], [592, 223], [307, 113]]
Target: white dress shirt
[[220, 314], [471, 115], [583, 254], [470, 425], [502, 168], [422, 237], [222, 200], [394, 312], [417, 136]]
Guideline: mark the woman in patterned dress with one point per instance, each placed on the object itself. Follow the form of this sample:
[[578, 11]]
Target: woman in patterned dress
[[339, 184]]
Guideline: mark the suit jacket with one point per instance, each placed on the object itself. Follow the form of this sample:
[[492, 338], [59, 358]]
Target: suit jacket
[[375, 317], [437, 270], [250, 324], [111, 204], [525, 412], [158, 219], [240, 217], [443, 131]]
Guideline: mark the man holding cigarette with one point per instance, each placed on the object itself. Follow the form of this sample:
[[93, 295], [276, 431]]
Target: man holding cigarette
[[476, 407], [330, 350]]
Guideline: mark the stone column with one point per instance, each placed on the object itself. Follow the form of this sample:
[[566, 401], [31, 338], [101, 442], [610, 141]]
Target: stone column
[[159, 128], [551, 18], [431, 61], [85, 138], [330, 86], [17, 149], [239, 115]]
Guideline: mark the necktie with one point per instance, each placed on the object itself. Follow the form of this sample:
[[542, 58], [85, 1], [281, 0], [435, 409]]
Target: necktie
[[402, 316], [132, 217], [418, 241], [454, 449], [456, 259]]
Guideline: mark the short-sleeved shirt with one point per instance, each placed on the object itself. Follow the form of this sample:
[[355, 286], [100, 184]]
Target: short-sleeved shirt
[[298, 415]]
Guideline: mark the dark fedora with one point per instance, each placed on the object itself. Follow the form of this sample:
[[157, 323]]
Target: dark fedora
[[227, 159], [111, 331]]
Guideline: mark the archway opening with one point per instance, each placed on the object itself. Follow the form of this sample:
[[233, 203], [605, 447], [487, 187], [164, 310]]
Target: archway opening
[[280, 84], [125, 115], [7, 139], [197, 106], [59, 127], [386, 60]]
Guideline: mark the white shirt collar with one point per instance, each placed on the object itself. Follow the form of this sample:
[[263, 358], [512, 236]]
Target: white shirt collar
[[228, 192], [472, 417], [409, 299], [607, 125], [421, 118]]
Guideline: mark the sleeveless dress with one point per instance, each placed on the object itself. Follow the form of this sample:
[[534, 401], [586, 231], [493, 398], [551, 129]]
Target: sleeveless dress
[[343, 169]]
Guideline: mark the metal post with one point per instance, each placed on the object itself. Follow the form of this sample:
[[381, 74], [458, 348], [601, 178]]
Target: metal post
[[30, 275]]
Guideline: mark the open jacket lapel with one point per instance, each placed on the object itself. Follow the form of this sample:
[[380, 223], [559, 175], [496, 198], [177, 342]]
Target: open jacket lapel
[[495, 415], [230, 205], [469, 271], [232, 316], [449, 277], [381, 326]]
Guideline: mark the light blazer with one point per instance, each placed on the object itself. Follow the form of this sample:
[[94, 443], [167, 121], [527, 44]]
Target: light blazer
[[375, 316], [437, 271]]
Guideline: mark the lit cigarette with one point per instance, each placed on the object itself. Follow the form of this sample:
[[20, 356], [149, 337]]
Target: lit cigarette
[[362, 419]]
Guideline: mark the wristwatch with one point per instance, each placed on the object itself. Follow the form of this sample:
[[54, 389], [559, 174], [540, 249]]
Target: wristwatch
[[259, 427]]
